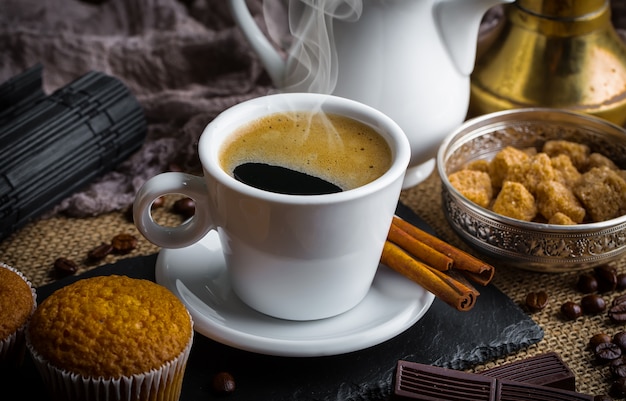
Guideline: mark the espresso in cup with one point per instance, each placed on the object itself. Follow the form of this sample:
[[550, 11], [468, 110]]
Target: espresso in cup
[[306, 153]]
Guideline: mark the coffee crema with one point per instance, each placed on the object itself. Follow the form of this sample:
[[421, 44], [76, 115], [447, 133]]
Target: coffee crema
[[316, 147]]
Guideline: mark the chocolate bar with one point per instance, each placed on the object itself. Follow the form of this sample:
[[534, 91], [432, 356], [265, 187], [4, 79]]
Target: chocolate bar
[[516, 391], [543, 370], [416, 381]]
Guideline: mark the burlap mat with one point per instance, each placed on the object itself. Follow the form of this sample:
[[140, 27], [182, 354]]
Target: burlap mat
[[34, 248]]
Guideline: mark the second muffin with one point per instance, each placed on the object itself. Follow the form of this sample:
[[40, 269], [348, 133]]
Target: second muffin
[[128, 338]]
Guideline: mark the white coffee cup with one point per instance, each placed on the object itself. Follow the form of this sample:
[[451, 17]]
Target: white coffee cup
[[297, 257]]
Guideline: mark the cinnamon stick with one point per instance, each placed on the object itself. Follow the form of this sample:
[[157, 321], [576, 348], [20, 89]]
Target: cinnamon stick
[[474, 268], [455, 293], [420, 250]]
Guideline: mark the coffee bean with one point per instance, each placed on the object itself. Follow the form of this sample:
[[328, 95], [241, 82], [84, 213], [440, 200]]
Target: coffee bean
[[158, 202], [619, 300], [618, 367], [65, 266], [598, 339], [124, 243], [592, 304], [617, 313], [100, 252], [536, 301], [185, 207], [619, 338], [607, 278], [606, 352], [223, 383], [618, 388], [571, 310], [587, 283], [621, 281]]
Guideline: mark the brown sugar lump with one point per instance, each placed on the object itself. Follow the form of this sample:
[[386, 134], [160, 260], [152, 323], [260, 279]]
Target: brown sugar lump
[[515, 201], [502, 162], [18, 301], [124, 337], [577, 152], [561, 219], [532, 171], [474, 185], [478, 165], [554, 197], [531, 151], [599, 160], [565, 170], [602, 191]]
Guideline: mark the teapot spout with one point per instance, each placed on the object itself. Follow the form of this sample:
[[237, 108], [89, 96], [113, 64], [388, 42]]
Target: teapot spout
[[458, 22]]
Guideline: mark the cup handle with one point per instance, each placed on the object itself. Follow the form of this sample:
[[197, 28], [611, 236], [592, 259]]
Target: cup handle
[[188, 233]]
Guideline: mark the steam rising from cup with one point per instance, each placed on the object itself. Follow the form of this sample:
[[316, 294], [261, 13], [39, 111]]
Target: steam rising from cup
[[310, 29], [310, 24]]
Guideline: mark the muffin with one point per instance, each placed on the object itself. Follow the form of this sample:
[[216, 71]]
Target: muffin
[[18, 301], [111, 338]]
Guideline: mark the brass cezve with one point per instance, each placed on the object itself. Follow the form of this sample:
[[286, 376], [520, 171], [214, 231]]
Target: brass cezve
[[553, 53]]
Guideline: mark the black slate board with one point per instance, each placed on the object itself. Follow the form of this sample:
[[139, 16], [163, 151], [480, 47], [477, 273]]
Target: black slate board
[[495, 327]]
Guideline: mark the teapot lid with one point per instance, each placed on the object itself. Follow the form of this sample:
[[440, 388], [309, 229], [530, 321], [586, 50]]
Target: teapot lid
[[564, 9]]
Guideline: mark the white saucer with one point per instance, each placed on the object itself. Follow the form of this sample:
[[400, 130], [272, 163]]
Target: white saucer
[[197, 275], [417, 174]]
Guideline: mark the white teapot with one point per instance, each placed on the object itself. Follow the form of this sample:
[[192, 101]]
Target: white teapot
[[410, 59]]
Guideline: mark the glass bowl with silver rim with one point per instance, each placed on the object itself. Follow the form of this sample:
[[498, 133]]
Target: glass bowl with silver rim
[[531, 245]]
